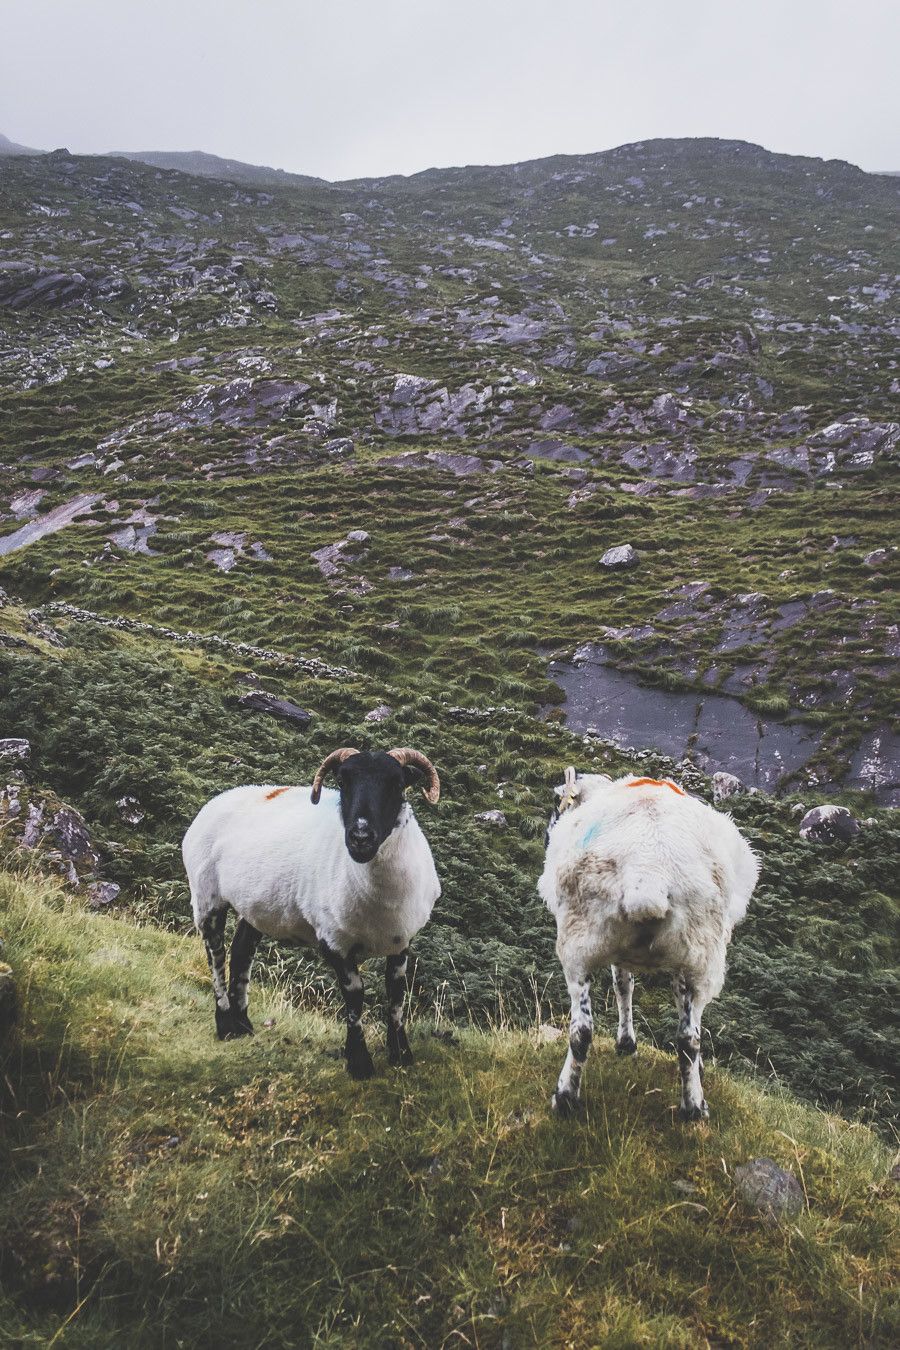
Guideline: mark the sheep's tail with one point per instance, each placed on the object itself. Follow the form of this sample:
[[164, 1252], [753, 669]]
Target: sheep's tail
[[645, 895]]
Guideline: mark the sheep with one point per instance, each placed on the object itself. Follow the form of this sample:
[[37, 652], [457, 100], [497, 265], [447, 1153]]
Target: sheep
[[643, 877], [348, 871]]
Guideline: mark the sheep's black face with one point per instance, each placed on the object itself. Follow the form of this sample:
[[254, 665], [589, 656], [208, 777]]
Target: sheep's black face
[[371, 788]]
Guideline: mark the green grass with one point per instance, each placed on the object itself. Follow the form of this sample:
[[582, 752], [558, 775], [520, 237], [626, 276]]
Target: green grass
[[162, 1189]]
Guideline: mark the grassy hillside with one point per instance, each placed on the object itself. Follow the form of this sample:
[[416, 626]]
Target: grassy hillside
[[163, 1189]]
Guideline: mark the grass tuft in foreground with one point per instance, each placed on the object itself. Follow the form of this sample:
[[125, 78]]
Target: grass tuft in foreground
[[162, 1189]]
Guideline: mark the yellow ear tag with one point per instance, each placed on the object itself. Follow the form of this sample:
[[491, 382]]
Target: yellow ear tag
[[565, 801]]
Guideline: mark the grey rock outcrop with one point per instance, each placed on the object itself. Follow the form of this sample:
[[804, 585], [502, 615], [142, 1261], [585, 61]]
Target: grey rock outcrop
[[332, 558], [258, 700], [14, 748]]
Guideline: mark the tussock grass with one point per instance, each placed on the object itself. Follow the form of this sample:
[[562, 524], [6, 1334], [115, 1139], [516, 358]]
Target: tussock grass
[[163, 1189]]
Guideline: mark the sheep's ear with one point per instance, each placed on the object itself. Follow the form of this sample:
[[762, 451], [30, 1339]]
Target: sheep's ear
[[568, 792]]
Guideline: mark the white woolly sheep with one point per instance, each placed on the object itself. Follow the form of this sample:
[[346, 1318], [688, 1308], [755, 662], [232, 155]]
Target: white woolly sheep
[[353, 876], [642, 877]]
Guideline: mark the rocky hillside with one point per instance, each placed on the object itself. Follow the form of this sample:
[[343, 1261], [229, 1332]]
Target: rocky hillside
[[524, 465]]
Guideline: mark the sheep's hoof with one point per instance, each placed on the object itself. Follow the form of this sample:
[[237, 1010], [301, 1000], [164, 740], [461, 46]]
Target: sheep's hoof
[[232, 1023], [224, 1024], [690, 1113], [359, 1064], [626, 1046], [566, 1106], [400, 1056]]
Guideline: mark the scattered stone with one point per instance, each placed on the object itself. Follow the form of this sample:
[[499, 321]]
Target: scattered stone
[[547, 1034], [770, 1189], [9, 1003], [130, 810], [260, 701], [829, 825], [332, 558], [14, 748], [621, 556], [685, 1187], [379, 714], [725, 785], [877, 557], [102, 893], [494, 818]]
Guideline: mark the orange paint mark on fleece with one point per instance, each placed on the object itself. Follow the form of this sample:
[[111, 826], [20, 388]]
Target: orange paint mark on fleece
[[656, 782], [276, 792]]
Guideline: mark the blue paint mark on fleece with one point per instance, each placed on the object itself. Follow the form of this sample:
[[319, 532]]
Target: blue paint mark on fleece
[[590, 835]]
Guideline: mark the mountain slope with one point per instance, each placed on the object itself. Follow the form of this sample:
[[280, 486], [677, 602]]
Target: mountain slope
[[8, 147], [214, 166], [162, 1186]]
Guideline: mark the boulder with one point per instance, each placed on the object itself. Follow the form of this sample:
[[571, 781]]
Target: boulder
[[379, 714], [829, 825], [769, 1188], [621, 556], [102, 893], [725, 785], [495, 818], [260, 701]]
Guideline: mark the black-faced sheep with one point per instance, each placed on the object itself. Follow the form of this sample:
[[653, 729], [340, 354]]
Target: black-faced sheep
[[348, 871]]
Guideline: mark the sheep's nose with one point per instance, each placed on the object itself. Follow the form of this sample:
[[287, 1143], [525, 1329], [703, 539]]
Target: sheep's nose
[[361, 835]]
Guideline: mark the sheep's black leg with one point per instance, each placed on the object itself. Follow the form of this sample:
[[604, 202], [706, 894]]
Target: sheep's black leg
[[690, 1004], [212, 930], [567, 1097], [623, 983], [359, 1061], [243, 947], [395, 984]]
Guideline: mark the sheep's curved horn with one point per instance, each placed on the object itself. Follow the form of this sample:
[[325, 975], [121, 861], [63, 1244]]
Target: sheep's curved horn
[[329, 763], [432, 789]]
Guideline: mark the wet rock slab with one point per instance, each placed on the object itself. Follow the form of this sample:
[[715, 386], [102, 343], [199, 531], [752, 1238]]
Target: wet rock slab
[[717, 730], [54, 520]]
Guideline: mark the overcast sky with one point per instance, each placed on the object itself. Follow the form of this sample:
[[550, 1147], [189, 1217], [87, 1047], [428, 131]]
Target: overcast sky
[[345, 88]]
